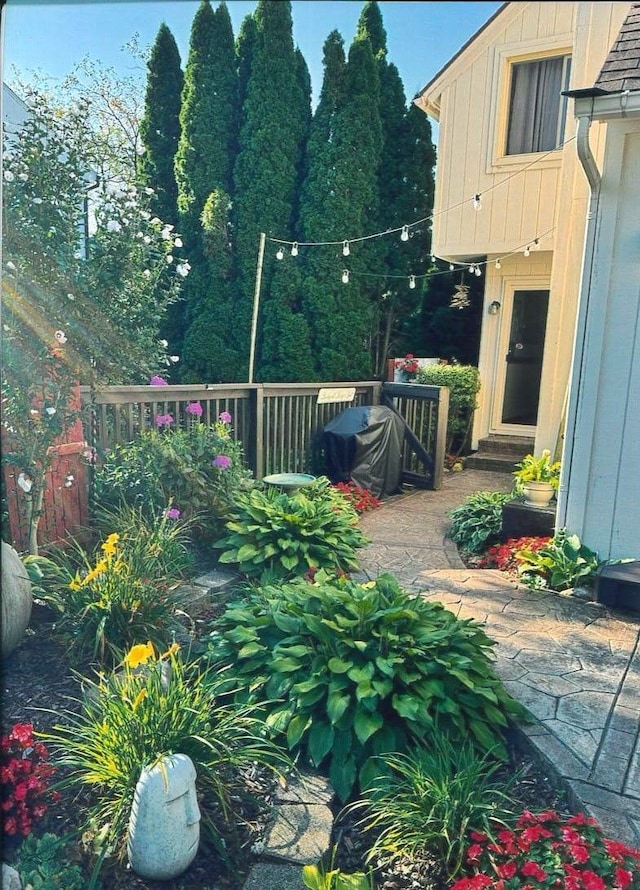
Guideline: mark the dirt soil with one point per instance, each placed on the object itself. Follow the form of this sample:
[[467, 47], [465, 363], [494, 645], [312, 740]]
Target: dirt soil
[[38, 681]]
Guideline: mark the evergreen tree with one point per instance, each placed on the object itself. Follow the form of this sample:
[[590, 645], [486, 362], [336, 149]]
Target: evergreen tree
[[405, 188], [266, 174], [340, 199], [204, 161], [160, 126]]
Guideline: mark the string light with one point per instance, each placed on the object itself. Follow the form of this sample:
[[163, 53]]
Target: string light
[[451, 267], [345, 276], [527, 250], [477, 271], [536, 244], [280, 253], [294, 249], [498, 264], [345, 249], [412, 281], [477, 203], [404, 235]]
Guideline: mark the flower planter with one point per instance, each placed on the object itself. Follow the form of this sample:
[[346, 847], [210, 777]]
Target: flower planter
[[538, 494]]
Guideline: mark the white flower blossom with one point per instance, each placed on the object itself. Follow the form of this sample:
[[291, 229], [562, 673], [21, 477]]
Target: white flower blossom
[[169, 258], [147, 239], [174, 358], [25, 483], [21, 176], [60, 337], [177, 242], [146, 273], [11, 266], [183, 269], [164, 343], [50, 410], [8, 175], [156, 221], [113, 226], [149, 191], [70, 297], [165, 234]]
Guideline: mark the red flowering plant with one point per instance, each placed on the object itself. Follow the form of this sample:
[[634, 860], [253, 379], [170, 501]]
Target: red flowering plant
[[409, 364], [505, 556], [25, 775], [361, 499], [548, 851]]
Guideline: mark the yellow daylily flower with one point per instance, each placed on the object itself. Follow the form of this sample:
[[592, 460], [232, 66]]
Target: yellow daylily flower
[[110, 545], [173, 648], [139, 697], [139, 654], [368, 585]]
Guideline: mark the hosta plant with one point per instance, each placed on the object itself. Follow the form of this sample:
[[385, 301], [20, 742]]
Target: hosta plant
[[281, 536], [153, 705], [429, 798], [477, 522], [562, 563], [346, 671], [545, 850]]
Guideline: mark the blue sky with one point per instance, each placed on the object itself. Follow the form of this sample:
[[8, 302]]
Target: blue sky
[[49, 37]]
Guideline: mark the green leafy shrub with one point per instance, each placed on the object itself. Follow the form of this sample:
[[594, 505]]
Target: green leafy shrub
[[477, 522], [197, 470], [561, 564], [280, 536], [154, 706], [328, 877], [43, 864], [537, 469], [346, 671], [430, 798], [463, 382], [124, 593]]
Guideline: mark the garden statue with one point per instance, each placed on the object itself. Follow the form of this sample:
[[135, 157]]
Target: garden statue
[[17, 599], [164, 826]]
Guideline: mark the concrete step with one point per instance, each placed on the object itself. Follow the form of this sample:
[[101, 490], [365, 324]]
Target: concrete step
[[493, 462], [506, 446]]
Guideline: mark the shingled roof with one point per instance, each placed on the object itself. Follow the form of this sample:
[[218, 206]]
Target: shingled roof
[[621, 69]]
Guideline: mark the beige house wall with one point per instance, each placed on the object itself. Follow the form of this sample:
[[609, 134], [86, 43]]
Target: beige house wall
[[524, 197]]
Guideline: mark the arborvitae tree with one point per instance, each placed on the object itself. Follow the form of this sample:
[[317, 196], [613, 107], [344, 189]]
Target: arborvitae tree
[[245, 50], [204, 162], [209, 115], [160, 126], [340, 201], [405, 187], [272, 137]]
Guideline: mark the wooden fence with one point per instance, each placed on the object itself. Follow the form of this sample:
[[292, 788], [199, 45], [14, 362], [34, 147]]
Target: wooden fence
[[280, 426]]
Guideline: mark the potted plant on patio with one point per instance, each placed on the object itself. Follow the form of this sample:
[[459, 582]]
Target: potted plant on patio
[[537, 479]]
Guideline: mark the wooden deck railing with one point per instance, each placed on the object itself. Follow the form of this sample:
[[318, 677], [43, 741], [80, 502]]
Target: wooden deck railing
[[279, 424]]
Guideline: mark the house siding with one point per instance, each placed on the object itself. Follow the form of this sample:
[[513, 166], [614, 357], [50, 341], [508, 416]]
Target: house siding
[[543, 196]]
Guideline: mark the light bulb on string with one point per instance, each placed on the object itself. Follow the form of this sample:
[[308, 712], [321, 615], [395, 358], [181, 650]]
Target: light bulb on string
[[433, 258], [412, 281], [294, 249], [527, 250], [477, 202], [404, 235], [345, 276], [451, 267], [280, 253], [536, 244], [477, 271], [498, 264], [345, 249]]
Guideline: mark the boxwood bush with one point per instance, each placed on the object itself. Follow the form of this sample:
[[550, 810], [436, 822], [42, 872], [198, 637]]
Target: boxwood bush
[[463, 382], [347, 671]]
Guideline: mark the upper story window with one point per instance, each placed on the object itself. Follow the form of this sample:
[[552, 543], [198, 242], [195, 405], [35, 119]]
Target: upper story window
[[537, 110]]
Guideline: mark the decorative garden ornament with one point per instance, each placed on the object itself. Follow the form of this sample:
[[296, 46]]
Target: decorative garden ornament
[[17, 599], [164, 826]]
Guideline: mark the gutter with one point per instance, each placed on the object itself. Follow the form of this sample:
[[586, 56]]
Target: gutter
[[584, 108]]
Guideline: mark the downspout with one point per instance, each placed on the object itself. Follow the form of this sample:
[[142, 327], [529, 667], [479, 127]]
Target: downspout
[[594, 178]]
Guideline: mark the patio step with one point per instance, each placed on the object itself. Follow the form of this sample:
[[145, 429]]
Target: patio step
[[500, 454]]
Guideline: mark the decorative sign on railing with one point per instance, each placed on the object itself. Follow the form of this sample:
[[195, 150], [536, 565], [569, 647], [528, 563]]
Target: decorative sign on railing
[[343, 394]]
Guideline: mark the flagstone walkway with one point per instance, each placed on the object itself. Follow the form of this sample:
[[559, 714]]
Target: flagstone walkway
[[574, 664]]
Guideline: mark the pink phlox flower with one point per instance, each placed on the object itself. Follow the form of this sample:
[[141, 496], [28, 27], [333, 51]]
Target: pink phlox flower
[[225, 417], [172, 513], [194, 408], [157, 380], [164, 419], [222, 462]]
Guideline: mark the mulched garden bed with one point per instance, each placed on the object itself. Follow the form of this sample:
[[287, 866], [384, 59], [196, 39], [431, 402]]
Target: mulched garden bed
[[38, 682]]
